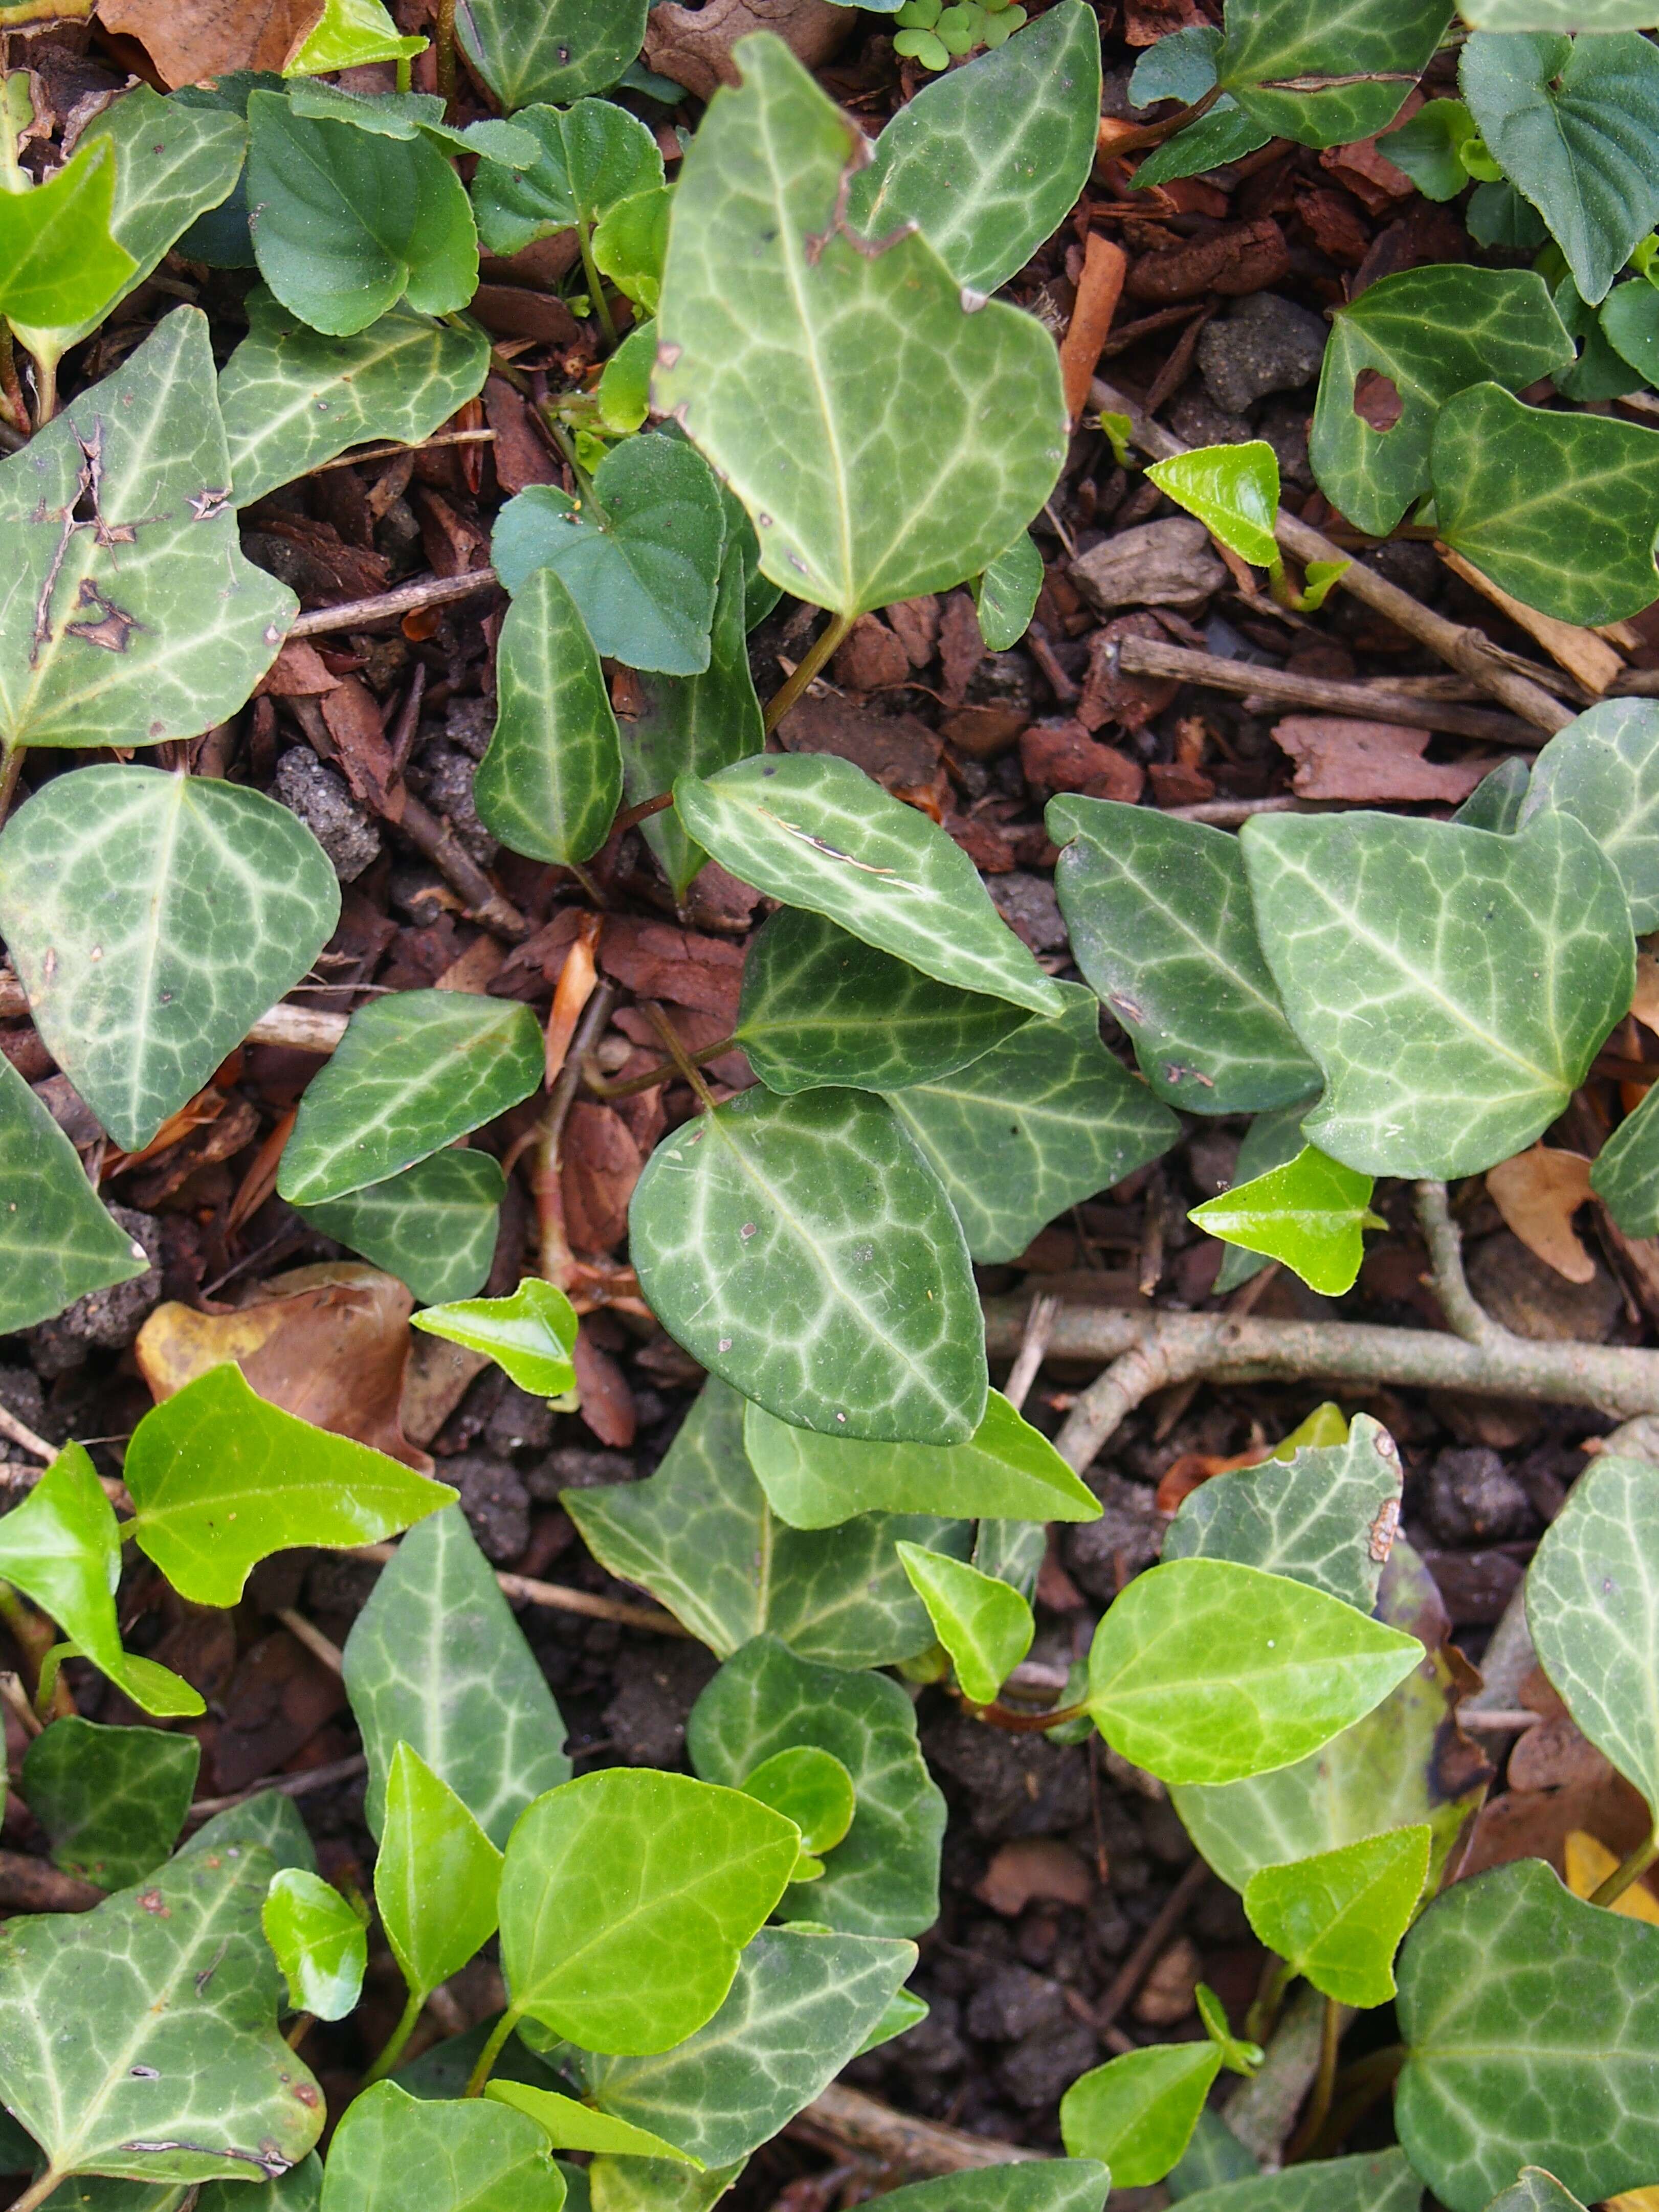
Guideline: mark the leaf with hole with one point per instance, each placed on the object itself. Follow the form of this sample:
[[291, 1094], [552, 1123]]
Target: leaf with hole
[[347, 222], [813, 832], [550, 782], [588, 156], [1274, 54], [1323, 1514], [530, 50], [391, 2149], [1454, 985], [434, 1226], [701, 1537], [153, 918], [62, 1548], [1162, 927], [529, 1335], [986, 1626], [1309, 1213], [175, 2071], [414, 1072], [1137, 2112], [111, 1799], [435, 1878], [987, 160], [141, 620], [1513, 484], [60, 264], [1412, 342], [1569, 120], [1604, 768], [320, 1944], [1531, 2027], [1006, 1468], [293, 398], [801, 1249], [221, 1480], [800, 2007], [796, 361], [1338, 1919], [57, 1243], [626, 1899], [572, 2126], [639, 560], [1205, 1671]]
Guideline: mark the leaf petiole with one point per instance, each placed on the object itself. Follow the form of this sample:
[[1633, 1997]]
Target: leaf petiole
[[491, 2051], [393, 2050], [1628, 1872]]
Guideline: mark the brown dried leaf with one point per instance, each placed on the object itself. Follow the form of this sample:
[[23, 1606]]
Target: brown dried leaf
[[298, 672], [352, 714], [654, 960], [602, 1164], [1644, 1000], [694, 45], [901, 752], [1035, 1867], [1240, 258], [1340, 756], [607, 1403], [1538, 1192], [1063, 757], [191, 39], [871, 659], [521, 458]]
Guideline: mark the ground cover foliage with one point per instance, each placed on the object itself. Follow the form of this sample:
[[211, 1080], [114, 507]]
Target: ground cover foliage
[[705, 382]]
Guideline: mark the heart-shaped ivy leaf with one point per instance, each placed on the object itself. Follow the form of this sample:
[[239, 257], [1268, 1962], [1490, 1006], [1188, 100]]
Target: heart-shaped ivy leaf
[[795, 361], [985, 1625], [153, 918], [802, 1249], [550, 784], [57, 1243], [472, 2155], [1338, 1919], [62, 264], [588, 156], [1309, 1213], [111, 1799], [1325, 75], [527, 51], [434, 1226], [1604, 767]]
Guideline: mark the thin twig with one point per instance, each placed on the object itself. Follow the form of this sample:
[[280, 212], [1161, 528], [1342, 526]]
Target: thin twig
[[312, 1637], [557, 1598], [1139, 1963], [384, 606], [1039, 1327], [1463, 1310], [283, 1785], [390, 453], [898, 2139], [21, 1433]]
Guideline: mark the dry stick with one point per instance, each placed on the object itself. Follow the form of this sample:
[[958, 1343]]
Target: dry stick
[[1462, 649], [556, 1596], [282, 1785], [438, 843], [1145, 656], [313, 1637], [1039, 1327], [1139, 1963], [406, 599], [389, 452], [863, 2123]]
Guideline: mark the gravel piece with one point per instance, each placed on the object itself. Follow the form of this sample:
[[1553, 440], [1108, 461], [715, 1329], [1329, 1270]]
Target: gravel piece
[[324, 804], [442, 775], [1027, 903], [1264, 344], [1159, 564], [1195, 418], [1474, 1498]]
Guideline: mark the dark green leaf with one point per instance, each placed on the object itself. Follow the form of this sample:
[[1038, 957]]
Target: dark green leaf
[[1271, 48], [549, 785], [802, 1250], [1625, 1174], [985, 1625], [1600, 371], [1629, 324], [1308, 1213], [1604, 767], [414, 1072], [589, 156], [320, 1944], [270, 1819], [1497, 800], [527, 51], [1535, 2191], [153, 919], [1046, 2184], [1005, 596], [1161, 926], [434, 1226], [1380, 2181], [529, 1335], [392, 2151], [57, 1243], [111, 1799]]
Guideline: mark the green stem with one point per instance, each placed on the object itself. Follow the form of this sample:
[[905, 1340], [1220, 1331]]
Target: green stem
[[393, 2050], [561, 438], [595, 283], [11, 767], [446, 52], [406, 73], [816, 653], [1263, 2015], [491, 2051], [1626, 1873], [37, 2192]]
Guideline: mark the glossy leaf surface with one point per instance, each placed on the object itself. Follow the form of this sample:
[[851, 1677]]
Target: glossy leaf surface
[[1309, 1213], [392, 2150], [590, 156], [985, 1625], [572, 2126], [111, 1799], [320, 1944], [1271, 48], [1136, 2113], [57, 1242], [1604, 768], [550, 784], [434, 1226], [1234, 492], [527, 51], [436, 1876], [529, 1335], [1338, 1919]]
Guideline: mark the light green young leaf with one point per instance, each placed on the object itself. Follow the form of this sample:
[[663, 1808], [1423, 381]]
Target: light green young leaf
[[753, 1231], [987, 160], [570, 2126], [641, 559], [170, 164], [111, 1800], [1324, 1516], [800, 2007], [530, 51], [221, 1480], [57, 1242], [1531, 2027], [693, 725], [1136, 2113], [1604, 767], [1206, 1671], [293, 398], [346, 222], [1271, 48], [61, 1547], [1497, 800], [1338, 1919], [1511, 485], [588, 157], [1429, 333], [1592, 1613], [810, 1787], [1006, 1468], [550, 783], [436, 1661], [1005, 596], [1309, 1213], [153, 918], [1625, 1174], [883, 1877], [414, 1072], [1271, 1141], [1234, 492], [626, 1898], [393, 2150], [152, 626], [435, 1878], [434, 1226], [812, 830], [699, 1536], [176, 2072], [1161, 926], [630, 245], [348, 34], [530, 1335], [796, 367], [1535, 2191], [1569, 120], [820, 1007], [1378, 2181], [320, 1944], [985, 1625], [623, 391], [1429, 147], [60, 262]]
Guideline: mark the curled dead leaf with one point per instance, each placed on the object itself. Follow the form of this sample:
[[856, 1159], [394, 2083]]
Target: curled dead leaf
[[191, 39], [1538, 1192], [694, 45]]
